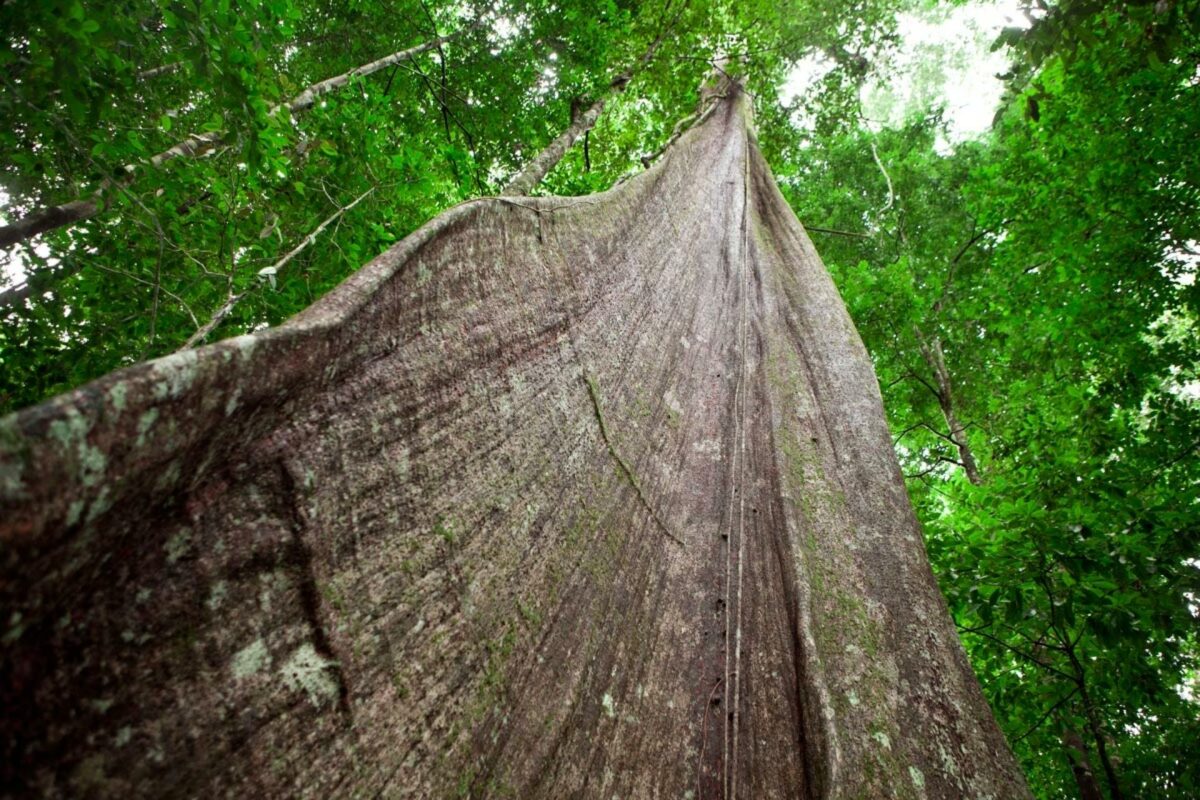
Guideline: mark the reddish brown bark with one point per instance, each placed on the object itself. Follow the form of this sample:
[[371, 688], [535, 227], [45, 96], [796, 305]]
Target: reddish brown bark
[[412, 543], [1081, 766]]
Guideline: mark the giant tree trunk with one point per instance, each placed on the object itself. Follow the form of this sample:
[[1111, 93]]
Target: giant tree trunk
[[421, 540]]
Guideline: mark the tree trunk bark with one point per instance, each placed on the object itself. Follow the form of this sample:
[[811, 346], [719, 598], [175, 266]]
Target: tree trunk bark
[[1081, 766], [412, 541], [1096, 729]]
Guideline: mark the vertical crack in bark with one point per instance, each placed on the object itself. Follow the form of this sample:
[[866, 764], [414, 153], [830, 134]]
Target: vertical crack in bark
[[301, 558], [804, 722], [739, 481], [626, 470]]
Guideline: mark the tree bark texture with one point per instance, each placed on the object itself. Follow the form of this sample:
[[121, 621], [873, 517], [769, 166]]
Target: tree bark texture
[[558, 497]]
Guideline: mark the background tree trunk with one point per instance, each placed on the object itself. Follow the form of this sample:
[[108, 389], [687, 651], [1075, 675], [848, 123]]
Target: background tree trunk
[[412, 542], [581, 123], [1081, 766], [931, 351]]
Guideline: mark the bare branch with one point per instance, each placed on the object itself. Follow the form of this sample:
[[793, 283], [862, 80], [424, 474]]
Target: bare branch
[[982, 631], [835, 232], [154, 72], [931, 351], [227, 308], [195, 145], [1046, 715], [537, 169], [891, 193]]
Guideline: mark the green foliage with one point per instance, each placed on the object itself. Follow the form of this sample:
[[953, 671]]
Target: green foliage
[[1052, 264], [176, 242]]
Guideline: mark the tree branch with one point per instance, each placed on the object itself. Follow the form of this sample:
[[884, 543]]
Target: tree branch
[[836, 232], [1017, 651], [154, 72], [891, 193], [931, 351], [536, 170], [197, 144], [227, 308], [1047, 714], [929, 428]]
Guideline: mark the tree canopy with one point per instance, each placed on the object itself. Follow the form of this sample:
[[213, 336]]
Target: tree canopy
[[1028, 295]]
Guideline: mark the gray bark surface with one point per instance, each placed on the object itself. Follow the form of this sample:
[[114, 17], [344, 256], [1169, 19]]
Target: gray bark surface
[[420, 541]]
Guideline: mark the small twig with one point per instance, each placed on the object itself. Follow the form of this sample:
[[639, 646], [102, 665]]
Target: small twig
[[968, 244], [227, 308], [1049, 711], [1017, 651], [130, 276], [594, 393], [154, 303], [929, 428], [154, 72], [508, 201], [836, 232], [937, 461], [976, 235], [449, 116], [687, 123]]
